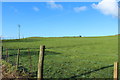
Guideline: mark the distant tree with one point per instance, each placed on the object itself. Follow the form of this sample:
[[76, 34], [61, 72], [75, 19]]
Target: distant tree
[[80, 36]]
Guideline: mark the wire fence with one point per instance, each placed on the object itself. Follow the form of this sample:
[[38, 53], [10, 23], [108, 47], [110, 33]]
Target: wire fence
[[29, 64], [17, 57]]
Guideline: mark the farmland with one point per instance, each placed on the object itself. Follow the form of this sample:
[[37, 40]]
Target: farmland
[[68, 57]]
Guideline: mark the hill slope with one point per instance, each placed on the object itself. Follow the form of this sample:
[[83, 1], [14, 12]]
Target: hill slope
[[71, 57]]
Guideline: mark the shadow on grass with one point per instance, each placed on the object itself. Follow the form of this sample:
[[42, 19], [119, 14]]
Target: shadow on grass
[[72, 46], [89, 72], [51, 53], [21, 40], [26, 53]]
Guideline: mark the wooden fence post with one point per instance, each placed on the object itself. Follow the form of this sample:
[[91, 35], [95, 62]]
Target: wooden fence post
[[17, 62], [115, 70], [7, 57], [40, 63], [2, 49], [30, 59]]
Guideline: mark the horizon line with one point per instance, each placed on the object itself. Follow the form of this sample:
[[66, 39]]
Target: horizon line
[[3, 38]]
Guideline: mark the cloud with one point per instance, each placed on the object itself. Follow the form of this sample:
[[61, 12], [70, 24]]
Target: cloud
[[78, 9], [53, 5], [36, 9], [107, 7]]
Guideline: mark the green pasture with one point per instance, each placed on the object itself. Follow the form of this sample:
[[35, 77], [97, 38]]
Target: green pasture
[[67, 57]]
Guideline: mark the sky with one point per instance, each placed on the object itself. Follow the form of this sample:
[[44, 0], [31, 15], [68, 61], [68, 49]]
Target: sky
[[58, 19], [54, 0], [50, 0]]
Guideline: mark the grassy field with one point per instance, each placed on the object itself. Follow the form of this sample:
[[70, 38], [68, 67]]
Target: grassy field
[[68, 57]]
